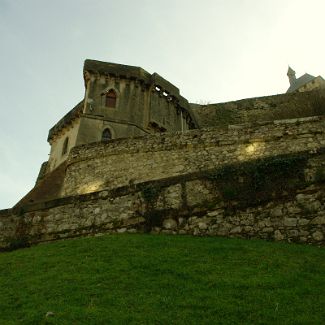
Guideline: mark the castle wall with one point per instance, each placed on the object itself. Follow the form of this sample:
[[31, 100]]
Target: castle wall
[[263, 181], [131, 107], [317, 83], [140, 108], [181, 205], [92, 127], [130, 117], [165, 114], [129, 161], [56, 156], [269, 108]]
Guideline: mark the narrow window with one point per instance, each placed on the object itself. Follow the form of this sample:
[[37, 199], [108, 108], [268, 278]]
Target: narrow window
[[110, 98], [106, 135], [65, 146]]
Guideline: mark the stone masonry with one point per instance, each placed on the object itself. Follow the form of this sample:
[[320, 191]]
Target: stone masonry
[[124, 161], [190, 196], [136, 156]]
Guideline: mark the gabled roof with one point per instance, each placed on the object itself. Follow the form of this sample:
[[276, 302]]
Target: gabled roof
[[301, 81]]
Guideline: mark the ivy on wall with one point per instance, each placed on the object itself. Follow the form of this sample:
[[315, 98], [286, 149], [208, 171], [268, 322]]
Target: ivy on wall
[[153, 217], [252, 183]]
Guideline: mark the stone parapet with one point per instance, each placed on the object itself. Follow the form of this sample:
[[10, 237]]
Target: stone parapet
[[121, 162]]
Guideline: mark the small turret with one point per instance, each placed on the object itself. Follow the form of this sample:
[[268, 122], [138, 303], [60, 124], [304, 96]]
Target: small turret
[[291, 75]]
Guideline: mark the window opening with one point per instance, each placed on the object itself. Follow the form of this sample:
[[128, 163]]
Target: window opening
[[65, 146], [111, 98], [106, 135]]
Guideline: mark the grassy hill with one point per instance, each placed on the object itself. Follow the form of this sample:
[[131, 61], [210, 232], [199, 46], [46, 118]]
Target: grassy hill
[[146, 279]]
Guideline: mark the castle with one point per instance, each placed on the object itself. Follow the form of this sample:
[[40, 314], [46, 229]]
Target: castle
[[134, 155], [120, 101]]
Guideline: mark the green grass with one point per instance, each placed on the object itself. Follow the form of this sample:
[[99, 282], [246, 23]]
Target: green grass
[[146, 279]]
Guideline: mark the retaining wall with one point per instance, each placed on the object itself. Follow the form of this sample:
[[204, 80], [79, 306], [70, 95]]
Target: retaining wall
[[194, 204], [267, 108], [122, 162]]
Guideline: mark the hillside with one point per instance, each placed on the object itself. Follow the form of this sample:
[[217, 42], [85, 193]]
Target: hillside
[[147, 279]]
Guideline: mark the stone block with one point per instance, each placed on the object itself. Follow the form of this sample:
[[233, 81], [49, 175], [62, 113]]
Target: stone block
[[313, 206], [236, 230], [248, 229], [294, 210], [103, 194], [218, 219], [293, 233], [318, 220], [247, 219], [133, 221], [198, 192], [303, 222], [215, 213], [303, 197], [203, 226], [170, 198], [276, 212], [318, 236], [222, 231], [169, 224], [290, 222], [181, 221], [278, 235]]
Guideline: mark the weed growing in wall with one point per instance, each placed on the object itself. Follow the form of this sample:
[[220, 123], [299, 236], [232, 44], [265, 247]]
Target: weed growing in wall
[[17, 242], [252, 183], [318, 104], [153, 217], [320, 175], [20, 238], [225, 116], [150, 194]]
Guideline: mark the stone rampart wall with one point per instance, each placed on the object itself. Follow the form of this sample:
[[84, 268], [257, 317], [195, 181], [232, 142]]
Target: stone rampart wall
[[192, 204], [122, 162], [268, 108], [250, 181]]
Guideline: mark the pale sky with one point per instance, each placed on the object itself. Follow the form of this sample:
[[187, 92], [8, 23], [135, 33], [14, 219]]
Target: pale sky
[[212, 50]]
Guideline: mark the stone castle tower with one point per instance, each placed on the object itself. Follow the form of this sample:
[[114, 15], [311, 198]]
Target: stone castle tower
[[120, 101]]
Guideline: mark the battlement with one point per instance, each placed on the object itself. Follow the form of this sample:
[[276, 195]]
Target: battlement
[[116, 70]]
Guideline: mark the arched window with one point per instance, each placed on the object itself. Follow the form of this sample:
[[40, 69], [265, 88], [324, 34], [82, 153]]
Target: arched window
[[65, 146], [110, 100], [106, 135]]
